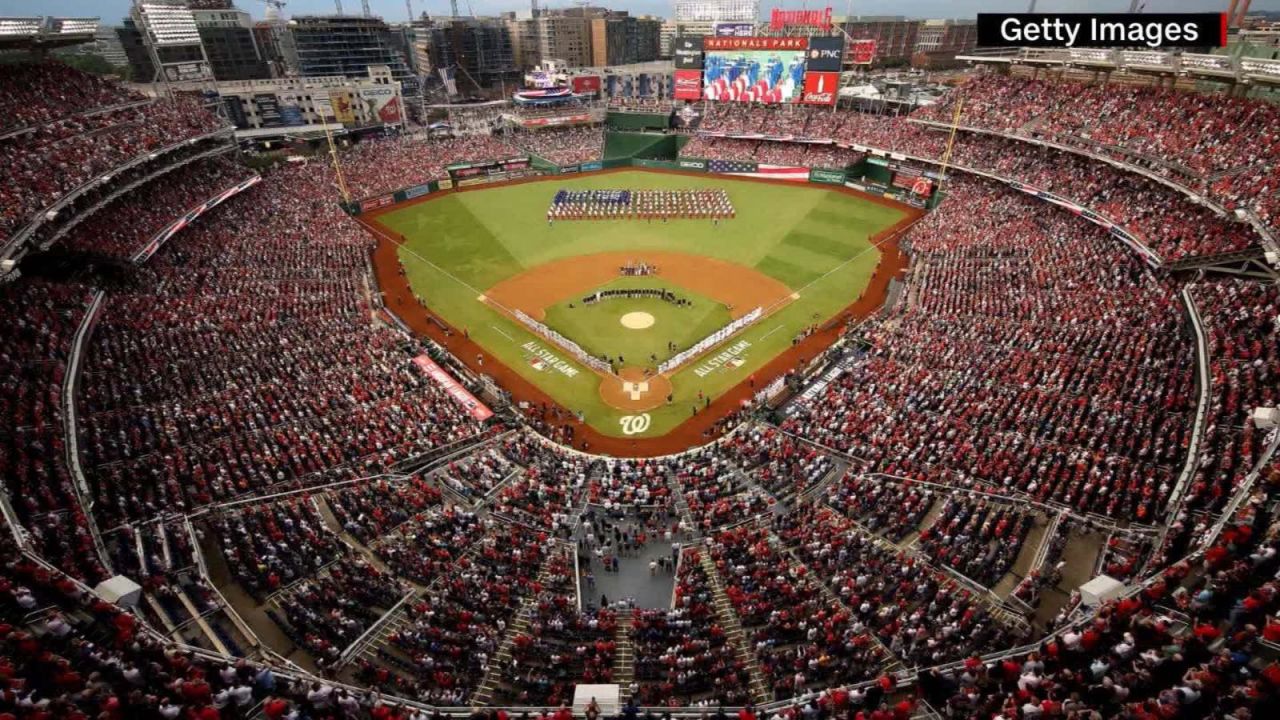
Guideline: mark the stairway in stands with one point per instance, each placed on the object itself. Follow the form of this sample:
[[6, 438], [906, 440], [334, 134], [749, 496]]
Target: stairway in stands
[[624, 657], [501, 659], [760, 692]]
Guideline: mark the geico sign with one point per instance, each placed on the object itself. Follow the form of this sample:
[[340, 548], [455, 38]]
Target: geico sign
[[377, 92]]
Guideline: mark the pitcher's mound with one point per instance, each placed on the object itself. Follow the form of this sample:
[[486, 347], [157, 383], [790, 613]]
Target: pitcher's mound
[[635, 390], [636, 320]]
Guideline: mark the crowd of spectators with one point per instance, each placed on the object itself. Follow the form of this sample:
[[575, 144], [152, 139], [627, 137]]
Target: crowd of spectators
[[243, 358], [919, 614], [802, 638], [1240, 324], [452, 633], [477, 474], [129, 223], [1185, 646], [716, 491], [36, 93], [269, 547], [370, 510], [682, 654], [327, 613], [886, 507], [978, 538], [783, 465], [562, 646], [772, 152], [1163, 218], [562, 146], [59, 157], [426, 546], [1034, 355], [377, 166], [38, 320]]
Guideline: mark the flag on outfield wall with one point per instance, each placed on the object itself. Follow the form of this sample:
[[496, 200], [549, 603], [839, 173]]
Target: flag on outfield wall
[[761, 170]]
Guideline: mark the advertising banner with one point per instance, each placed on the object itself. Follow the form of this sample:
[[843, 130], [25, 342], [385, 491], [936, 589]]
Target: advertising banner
[[862, 52], [343, 102], [820, 88], [734, 29], [375, 203], [825, 54], [455, 390], [579, 119], [823, 175], [754, 69], [692, 164], [417, 191], [687, 50], [586, 84], [688, 85], [177, 225], [595, 165], [381, 104]]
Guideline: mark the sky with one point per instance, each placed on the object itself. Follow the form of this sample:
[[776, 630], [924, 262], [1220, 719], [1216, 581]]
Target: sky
[[394, 10]]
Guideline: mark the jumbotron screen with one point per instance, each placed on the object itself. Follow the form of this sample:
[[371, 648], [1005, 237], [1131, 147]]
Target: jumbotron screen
[[772, 69]]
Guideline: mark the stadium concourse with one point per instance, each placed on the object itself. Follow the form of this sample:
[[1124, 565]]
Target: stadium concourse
[[319, 530]]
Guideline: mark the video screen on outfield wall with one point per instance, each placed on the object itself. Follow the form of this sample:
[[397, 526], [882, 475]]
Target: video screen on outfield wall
[[763, 70]]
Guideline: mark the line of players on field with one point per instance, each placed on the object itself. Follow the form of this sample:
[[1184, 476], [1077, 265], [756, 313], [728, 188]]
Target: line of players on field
[[636, 204]]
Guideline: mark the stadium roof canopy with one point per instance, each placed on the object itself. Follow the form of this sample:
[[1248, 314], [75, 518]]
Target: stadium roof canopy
[[1223, 68], [38, 33]]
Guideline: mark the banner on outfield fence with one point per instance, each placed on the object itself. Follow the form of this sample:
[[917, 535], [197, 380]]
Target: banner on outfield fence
[[823, 175], [593, 165], [460, 395], [692, 164], [576, 119], [417, 191], [375, 203]]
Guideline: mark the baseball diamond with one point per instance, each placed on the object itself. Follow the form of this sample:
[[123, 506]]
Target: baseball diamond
[[798, 255]]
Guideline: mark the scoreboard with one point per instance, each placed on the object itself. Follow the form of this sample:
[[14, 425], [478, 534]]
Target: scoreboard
[[732, 68]]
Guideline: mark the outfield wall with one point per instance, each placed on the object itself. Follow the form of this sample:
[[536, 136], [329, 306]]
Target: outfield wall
[[824, 176]]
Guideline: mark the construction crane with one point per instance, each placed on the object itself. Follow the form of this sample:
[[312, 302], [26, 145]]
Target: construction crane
[[365, 5], [278, 6], [408, 6], [338, 5]]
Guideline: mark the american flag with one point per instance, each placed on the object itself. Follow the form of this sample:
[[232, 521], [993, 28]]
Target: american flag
[[750, 169], [730, 166]]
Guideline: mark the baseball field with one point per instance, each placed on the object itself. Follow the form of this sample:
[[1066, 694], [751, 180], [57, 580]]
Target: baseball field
[[479, 259]]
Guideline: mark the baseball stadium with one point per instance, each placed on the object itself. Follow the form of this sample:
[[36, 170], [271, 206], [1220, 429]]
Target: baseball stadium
[[395, 364]]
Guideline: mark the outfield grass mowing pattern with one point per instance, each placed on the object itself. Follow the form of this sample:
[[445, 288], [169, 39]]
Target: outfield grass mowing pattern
[[814, 241]]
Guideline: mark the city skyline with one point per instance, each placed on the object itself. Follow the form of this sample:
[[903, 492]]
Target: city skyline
[[113, 11]]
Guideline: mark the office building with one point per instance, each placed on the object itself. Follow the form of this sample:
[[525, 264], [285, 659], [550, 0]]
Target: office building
[[348, 45]]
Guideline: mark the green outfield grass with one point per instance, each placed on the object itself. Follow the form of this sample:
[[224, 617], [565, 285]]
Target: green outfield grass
[[813, 240], [598, 328]]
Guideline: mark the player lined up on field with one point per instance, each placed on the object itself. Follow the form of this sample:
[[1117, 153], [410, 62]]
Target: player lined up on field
[[634, 204]]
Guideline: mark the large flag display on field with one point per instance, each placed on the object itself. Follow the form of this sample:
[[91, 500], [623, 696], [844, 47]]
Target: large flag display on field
[[759, 170]]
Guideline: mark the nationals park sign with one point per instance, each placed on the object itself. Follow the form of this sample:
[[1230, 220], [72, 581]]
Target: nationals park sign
[[782, 19]]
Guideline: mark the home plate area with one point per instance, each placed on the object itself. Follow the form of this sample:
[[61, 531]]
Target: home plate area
[[635, 389]]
